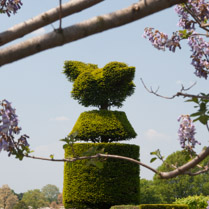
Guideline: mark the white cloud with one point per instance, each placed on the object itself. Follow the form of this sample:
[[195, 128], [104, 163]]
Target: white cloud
[[152, 134], [60, 118], [40, 31]]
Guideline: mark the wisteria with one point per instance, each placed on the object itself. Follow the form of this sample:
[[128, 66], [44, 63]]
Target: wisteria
[[200, 55], [8, 129], [161, 41], [208, 205], [192, 13], [186, 133], [10, 6]]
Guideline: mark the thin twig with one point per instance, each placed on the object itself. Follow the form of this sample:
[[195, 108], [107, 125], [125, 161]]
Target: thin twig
[[60, 15], [207, 126], [180, 93]]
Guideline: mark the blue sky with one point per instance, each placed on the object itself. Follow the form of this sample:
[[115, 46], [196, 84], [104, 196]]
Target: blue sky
[[40, 92]]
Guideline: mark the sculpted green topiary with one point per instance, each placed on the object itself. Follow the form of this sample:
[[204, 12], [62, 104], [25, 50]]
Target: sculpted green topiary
[[103, 126], [117, 182], [86, 186], [100, 87]]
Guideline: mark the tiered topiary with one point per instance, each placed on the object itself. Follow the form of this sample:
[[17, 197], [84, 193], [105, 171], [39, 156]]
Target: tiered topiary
[[117, 182]]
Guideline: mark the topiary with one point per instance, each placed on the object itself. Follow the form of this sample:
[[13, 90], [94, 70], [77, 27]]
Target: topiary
[[100, 87], [87, 186], [117, 182], [103, 126]]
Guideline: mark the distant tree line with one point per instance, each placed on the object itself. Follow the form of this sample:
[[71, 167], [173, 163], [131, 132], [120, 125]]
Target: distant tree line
[[48, 196], [168, 190]]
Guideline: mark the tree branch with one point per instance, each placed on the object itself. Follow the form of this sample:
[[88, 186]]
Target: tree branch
[[180, 93], [89, 27], [45, 18], [182, 169], [95, 157], [164, 175]]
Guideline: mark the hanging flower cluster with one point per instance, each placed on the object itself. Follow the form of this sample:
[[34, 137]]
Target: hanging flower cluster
[[8, 129], [187, 133], [192, 13], [10, 6]]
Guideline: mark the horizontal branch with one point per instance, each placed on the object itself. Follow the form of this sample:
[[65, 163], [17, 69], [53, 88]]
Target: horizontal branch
[[84, 29], [95, 157], [164, 175], [44, 19]]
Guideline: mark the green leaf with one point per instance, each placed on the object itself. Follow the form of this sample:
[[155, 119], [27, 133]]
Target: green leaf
[[202, 107], [194, 99], [153, 159], [95, 163], [51, 156], [204, 119], [195, 114], [65, 146], [90, 151], [65, 140], [153, 153]]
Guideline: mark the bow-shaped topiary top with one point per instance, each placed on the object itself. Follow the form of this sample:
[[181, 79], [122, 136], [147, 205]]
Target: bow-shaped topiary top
[[100, 87]]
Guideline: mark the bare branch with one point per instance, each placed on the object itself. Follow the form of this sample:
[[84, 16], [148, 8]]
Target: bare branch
[[184, 168], [60, 15], [94, 157], [180, 93], [89, 27], [206, 169], [44, 19]]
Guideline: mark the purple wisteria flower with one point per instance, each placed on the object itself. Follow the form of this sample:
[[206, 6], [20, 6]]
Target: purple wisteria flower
[[192, 13], [200, 55], [10, 6], [161, 41], [8, 129], [186, 133], [208, 205], [195, 8]]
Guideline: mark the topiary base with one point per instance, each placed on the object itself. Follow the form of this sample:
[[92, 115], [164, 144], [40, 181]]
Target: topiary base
[[87, 186]]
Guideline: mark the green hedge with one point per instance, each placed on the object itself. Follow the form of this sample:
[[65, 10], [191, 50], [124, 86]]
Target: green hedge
[[163, 206], [103, 126], [194, 202], [124, 207], [86, 186]]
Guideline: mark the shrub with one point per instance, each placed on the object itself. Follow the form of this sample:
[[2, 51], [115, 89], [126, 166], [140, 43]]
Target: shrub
[[86, 186], [100, 87], [194, 202], [125, 207], [163, 206], [103, 126]]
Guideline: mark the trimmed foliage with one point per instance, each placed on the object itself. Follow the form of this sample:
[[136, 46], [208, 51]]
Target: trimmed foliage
[[116, 183], [162, 206], [194, 202], [100, 87], [125, 207], [103, 126]]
